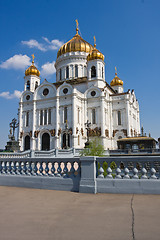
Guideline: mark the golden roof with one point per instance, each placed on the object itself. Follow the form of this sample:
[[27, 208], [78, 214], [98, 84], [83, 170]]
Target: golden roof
[[116, 80], [32, 70], [76, 44], [95, 54]]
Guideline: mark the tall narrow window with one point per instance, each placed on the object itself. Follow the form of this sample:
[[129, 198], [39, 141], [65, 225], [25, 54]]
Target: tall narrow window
[[102, 73], [93, 71], [76, 70], [93, 116], [27, 119], [65, 114], [41, 117], [60, 74], [119, 118], [45, 116], [49, 116], [78, 140], [36, 84], [78, 115], [28, 85], [67, 72]]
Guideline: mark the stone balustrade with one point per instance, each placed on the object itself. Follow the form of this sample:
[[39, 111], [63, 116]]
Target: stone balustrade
[[128, 168], [127, 174], [64, 168]]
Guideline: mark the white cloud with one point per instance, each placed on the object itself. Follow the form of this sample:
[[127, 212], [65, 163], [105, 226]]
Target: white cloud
[[16, 62], [53, 44], [47, 45], [8, 95], [34, 44], [48, 69]]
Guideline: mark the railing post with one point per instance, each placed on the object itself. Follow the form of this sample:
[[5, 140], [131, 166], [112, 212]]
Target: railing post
[[88, 183]]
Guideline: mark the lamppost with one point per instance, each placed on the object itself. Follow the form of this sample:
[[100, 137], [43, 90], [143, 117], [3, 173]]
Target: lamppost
[[87, 127], [13, 125]]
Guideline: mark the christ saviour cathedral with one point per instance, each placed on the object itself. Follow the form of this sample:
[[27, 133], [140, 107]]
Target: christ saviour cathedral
[[56, 115]]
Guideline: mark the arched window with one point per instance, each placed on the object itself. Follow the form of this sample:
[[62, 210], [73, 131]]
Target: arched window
[[67, 72], [28, 85], [93, 71], [27, 143], [93, 116], [46, 142], [76, 70], [102, 73], [36, 84], [60, 74], [119, 118], [65, 114]]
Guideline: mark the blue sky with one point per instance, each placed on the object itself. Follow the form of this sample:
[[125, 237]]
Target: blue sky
[[127, 33]]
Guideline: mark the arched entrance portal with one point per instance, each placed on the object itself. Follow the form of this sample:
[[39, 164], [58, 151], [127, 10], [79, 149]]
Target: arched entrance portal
[[45, 142], [65, 142], [27, 143]]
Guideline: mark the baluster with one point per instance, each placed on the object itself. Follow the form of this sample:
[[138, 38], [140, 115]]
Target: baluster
[[4, 171], [126, 170], [65, 170], [19, 169], [118, 175], [109, 175], [46, 169], [144, 172], [101, 171], [52, 169], [14, 168], [35, 169], [72, 170], [135, 172], [79, 169], [29, 168], [153, 173], [59, 170], [1, 168], [9, 168], [41, 169], [24, 168]]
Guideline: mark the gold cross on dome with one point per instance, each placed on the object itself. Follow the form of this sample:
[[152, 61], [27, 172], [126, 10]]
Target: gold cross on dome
[[94, 41], [33, 57], [77, 26], [77, 23], [115, 70]]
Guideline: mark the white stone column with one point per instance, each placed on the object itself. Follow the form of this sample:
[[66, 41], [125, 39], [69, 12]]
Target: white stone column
[[102, 116], [57, 123], [128, 118], [74, 120], [33, 127]]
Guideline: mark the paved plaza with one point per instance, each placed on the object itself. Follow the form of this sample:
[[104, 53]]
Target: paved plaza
[[54, 215]]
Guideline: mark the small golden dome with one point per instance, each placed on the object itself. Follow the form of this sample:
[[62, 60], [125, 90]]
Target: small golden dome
[[95, 54], [76, 44], [32, 70], [116, 80]]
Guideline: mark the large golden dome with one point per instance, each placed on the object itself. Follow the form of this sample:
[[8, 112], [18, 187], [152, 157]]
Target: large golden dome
[[76, 44], [32, 70], [116, 80]]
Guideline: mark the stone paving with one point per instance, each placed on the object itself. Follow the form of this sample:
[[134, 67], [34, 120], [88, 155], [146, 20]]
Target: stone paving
[[54, 215]]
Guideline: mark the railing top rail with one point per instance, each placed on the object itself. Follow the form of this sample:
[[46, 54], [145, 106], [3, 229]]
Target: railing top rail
[[68, 159]]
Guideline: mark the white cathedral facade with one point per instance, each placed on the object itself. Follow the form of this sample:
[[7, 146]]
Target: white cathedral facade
[[54, 115]]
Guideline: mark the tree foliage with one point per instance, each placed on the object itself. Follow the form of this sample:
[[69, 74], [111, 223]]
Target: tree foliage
[[95, 148]]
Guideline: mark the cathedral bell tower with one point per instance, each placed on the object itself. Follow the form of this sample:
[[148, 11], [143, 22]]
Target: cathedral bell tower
[[32, 79], [96, 67]]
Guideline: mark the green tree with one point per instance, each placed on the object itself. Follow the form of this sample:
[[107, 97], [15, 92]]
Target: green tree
[[95, 148]]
